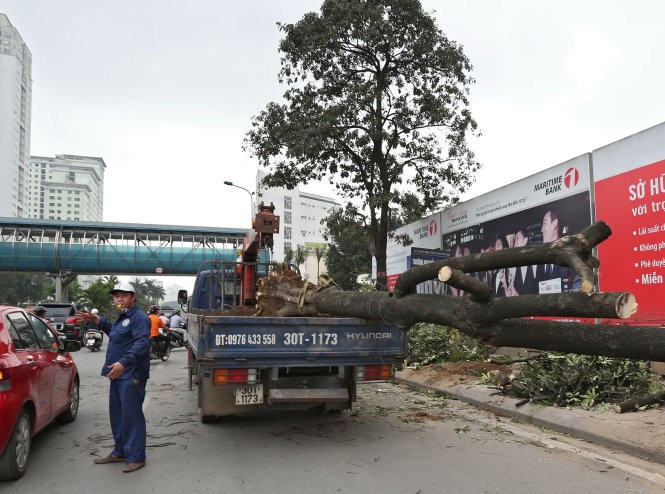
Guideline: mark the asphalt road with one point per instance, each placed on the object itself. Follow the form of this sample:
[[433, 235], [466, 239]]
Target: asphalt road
[[397, 440]]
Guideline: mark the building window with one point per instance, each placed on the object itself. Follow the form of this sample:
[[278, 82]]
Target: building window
[[287, 233], [287, 202], [287, 247], [287, 217]]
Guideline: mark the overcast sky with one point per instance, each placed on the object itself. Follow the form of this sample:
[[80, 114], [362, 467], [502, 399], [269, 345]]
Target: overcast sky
[[164, 91]]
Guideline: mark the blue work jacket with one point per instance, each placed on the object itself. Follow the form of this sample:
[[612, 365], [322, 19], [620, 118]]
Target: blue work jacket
[[129, 344]]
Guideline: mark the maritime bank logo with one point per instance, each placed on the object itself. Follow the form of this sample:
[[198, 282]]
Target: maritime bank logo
[[571, 178], [432, 228]]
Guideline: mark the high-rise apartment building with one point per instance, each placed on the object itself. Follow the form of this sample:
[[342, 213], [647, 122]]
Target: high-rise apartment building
[[66, 187], [300, 223], [15, 113]]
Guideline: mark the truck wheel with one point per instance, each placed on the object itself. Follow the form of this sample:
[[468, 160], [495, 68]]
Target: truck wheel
[[205, 419], [14, 460], [331, 409]]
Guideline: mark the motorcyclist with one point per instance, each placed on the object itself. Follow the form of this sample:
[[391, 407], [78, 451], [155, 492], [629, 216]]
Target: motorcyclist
[[164, 318], [89, 325], [157, 328], [178, 323]]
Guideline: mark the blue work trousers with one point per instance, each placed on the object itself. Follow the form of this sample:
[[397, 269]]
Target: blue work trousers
[[127, 420]]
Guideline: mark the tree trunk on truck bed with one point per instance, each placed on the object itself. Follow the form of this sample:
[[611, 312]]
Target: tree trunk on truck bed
[[498, 321]]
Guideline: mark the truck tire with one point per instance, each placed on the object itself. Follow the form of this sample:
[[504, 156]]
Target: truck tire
[[205, 419]]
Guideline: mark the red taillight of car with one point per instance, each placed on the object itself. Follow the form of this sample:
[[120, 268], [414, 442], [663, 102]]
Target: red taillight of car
[[374, 372], [222, 377], [5, 382], [73, 321]]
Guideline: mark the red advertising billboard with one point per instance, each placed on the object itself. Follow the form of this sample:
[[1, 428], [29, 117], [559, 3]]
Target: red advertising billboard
[[622, 184], [633, 258]]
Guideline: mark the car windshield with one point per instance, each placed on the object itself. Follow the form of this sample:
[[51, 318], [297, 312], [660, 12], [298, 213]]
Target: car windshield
[[58, 310]]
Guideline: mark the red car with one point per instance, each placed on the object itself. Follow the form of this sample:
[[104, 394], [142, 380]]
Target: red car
[[39, 383]]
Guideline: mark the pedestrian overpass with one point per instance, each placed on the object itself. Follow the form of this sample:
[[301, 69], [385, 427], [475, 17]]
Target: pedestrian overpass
[[65, 249]]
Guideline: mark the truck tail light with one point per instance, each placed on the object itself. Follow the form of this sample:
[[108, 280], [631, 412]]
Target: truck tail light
[[234, 376], [5, 382], [374, 372]]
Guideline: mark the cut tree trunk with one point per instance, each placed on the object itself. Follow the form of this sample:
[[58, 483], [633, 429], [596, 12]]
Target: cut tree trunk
[[637, 403], [497, 321]]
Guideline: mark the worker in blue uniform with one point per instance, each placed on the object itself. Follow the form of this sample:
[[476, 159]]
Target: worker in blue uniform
[[127, 367]]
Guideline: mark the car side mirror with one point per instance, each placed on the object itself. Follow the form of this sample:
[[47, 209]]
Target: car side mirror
[[70, 346], [182, 297]]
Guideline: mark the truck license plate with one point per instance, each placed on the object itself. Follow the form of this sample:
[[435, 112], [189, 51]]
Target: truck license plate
[[249, 395]]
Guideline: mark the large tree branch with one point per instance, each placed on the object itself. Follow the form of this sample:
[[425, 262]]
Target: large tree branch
[[573, 250], [499, 321]]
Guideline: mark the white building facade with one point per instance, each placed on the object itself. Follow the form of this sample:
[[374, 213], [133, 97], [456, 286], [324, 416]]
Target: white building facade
[[15, 115], [300, 215], [67, 187]]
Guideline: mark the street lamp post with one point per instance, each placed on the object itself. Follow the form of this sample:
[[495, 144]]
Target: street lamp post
[[251, 198]]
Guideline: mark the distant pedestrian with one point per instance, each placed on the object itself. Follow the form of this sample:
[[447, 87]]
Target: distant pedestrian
[[127, 367]]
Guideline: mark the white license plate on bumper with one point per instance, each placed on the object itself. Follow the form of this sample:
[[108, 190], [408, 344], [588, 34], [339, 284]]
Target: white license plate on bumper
[[249, 395], [91, 341]]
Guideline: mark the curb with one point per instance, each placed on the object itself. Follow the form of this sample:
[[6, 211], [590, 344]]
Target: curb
[[604, 427]]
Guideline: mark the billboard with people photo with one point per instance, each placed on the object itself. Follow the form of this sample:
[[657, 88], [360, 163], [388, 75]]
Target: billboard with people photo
[[539, 208], [544, 223]]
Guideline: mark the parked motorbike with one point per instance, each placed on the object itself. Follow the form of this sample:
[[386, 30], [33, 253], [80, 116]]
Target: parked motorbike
[[160, 350], [93, 339], [178, 339]]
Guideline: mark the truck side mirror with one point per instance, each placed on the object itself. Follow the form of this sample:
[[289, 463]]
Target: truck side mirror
[[182, 297]]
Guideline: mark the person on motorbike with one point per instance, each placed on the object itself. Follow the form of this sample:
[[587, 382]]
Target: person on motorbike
[[91, 325], [164, 318], [178, 324], [157, 328]]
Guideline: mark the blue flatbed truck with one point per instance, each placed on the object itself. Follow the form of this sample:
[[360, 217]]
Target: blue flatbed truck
[[241, 362]]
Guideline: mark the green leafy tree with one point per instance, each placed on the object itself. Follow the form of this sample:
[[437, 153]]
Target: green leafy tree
[[373, 89], [155, 291], [73, 291], [96, 296], [288, 255], [319, 252], [299, 256], [26, 289], [347, 255], [148, 292]]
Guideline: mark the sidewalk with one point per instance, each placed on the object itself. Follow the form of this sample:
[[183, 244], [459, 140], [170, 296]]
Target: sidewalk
[[637, 433]]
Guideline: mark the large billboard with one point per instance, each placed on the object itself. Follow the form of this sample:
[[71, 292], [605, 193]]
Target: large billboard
[[536, 209], [630, 197], [425, 233], [622, 184]]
